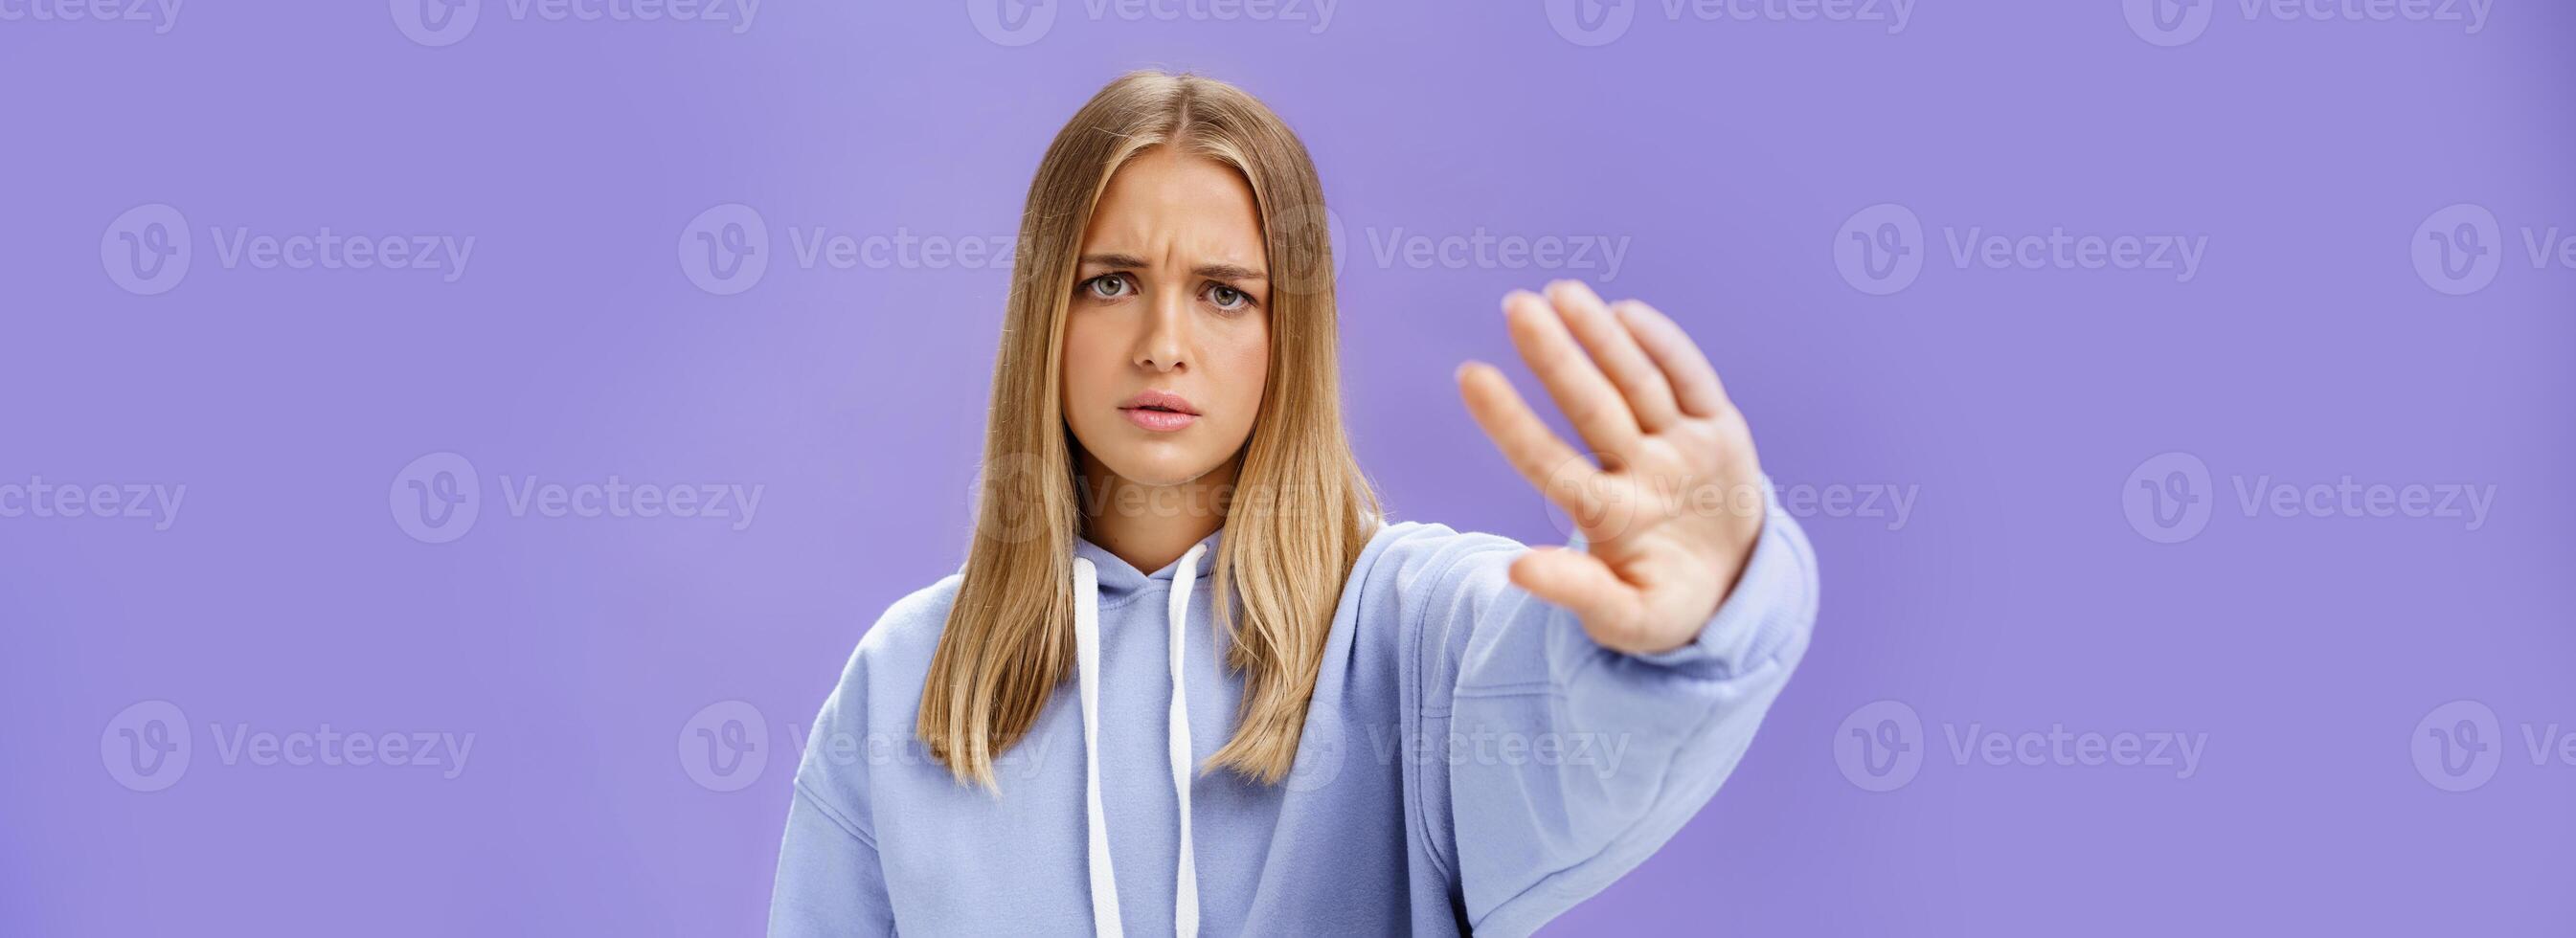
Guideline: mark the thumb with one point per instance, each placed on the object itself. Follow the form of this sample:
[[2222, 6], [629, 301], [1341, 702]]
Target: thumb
[[1580, 583]]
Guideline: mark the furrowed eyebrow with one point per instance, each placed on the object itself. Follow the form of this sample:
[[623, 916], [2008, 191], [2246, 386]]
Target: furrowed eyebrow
[[1236, 272], [1115, 261], [1229, 272]]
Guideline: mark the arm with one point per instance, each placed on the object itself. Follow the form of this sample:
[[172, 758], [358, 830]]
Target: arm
[[829, 882], [1644, 654], [829, 878], [1557, 765]]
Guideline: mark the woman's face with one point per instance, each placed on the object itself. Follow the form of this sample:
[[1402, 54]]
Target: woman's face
[[1167, 337]]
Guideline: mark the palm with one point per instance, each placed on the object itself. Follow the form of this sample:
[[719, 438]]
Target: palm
[[1670, 512]]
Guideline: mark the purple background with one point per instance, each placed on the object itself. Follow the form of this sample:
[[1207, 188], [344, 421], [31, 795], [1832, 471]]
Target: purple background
[[2015, 403]]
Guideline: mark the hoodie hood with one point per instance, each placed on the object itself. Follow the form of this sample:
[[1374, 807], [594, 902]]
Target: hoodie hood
[[1120, 581]]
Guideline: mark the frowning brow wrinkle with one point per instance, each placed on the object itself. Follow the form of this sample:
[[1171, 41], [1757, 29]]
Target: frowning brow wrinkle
[[1228, 272], [1115, 261], [1210, 271]]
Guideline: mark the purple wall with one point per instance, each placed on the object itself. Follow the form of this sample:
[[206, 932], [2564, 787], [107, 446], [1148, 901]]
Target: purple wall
[[2264, 269]]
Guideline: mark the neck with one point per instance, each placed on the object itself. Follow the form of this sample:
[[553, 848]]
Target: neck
[[1150, 526]]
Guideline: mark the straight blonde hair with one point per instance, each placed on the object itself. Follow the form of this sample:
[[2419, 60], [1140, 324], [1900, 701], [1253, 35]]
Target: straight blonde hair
[[1299, 513]]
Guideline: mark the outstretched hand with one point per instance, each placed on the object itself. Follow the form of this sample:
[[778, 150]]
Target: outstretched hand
[[1670, 513]]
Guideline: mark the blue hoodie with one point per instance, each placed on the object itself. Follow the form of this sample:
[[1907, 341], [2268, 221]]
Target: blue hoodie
[[1471, 760]]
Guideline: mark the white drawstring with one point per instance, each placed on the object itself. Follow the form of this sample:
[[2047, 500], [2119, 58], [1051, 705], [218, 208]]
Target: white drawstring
[[1086, 654], [1086, 643], [1185, 901]]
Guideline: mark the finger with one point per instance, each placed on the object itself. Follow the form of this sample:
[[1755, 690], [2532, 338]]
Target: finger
[[1580, 583], [1649, 396], [1695, 383], [1541, 457], [1588, 399]]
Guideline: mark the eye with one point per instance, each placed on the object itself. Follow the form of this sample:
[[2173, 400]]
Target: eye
[[1107, 286], [1228, 298]]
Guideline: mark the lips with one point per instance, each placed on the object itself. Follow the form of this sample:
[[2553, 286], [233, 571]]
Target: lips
[[1159, 400], [1160, 411]]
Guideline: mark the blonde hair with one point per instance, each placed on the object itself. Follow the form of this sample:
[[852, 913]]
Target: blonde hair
[[1300, 512]]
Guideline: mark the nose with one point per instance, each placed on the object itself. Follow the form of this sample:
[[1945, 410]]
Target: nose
[[1164, 343]]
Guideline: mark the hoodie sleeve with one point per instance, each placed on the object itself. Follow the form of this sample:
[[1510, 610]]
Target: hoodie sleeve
[[829, 881], [1553, 766]]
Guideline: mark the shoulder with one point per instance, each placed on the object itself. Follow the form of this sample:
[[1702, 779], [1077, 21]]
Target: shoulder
[[883, 676], [1404, 554], [1412, 568], [909, 629]]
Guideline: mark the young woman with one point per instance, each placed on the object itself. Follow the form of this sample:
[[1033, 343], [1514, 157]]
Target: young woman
[[1191, 679]]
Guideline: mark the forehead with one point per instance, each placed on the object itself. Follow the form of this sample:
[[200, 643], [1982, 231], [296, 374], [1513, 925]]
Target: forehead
[[1163, 201]]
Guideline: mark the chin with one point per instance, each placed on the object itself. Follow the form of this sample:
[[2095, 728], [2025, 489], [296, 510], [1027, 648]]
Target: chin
[[1159, 466]]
